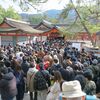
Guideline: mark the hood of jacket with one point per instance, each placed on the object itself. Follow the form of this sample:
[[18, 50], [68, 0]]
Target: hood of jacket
[[32, 70], [8, 76]]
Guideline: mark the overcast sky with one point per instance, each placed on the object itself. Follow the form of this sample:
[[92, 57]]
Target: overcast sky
[[51, 4]]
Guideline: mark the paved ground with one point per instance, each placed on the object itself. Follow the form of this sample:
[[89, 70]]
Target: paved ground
[[26, 97]]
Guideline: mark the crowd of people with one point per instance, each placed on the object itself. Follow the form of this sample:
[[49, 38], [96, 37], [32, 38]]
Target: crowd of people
[[48, 70]]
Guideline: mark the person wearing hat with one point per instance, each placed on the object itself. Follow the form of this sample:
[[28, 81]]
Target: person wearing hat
[[72, 91]]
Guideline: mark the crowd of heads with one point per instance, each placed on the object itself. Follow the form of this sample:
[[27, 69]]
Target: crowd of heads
[[52, 55]]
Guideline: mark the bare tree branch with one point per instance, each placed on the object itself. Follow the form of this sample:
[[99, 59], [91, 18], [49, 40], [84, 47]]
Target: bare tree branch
[[27, 3]]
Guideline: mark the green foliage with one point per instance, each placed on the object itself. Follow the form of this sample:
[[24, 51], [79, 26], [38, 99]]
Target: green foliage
[[89, 11], [53, 20], [93, 28], [50, 19], [36, 19], [2, 13], [66, 33], [88, 14], [10, 12]]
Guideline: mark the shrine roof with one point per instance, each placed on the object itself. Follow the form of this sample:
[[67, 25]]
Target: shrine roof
[[20, 25], [47, 25], [6, 30]]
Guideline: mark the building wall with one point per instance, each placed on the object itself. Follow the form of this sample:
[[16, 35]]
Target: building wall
[[22, 39], [84, 36], [5, 40], [41, 38]]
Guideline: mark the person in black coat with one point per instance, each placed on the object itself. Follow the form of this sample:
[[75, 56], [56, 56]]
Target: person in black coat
[[65, 74], [25, 65]]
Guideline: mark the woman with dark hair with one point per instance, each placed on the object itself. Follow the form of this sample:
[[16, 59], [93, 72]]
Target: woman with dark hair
[[19, 74], [55, 89]]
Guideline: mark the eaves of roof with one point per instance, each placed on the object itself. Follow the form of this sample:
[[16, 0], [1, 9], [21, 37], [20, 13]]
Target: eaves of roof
[[22, 26], [7, 30]]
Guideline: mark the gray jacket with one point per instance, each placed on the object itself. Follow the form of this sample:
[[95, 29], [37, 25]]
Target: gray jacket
[[8, 86]]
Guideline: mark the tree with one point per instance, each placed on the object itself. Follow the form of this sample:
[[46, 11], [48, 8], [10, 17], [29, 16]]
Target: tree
[[35, 19], [10, 12], [2, 13], [25, 4], [87, 15]]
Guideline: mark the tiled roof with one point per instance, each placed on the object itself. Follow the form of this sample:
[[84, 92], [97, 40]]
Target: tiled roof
[[24, 26], [4, 30], [47, 25]]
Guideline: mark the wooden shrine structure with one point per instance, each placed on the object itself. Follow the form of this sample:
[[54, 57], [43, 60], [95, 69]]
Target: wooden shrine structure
[[50, 31], [14, 31]]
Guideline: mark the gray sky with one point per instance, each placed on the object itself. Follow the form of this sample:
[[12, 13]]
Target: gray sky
[[51, 4]]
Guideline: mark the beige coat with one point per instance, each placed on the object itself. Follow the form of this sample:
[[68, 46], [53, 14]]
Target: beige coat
[[54, 92], [30, 78]]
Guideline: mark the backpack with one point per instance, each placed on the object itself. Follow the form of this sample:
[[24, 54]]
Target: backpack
[[40, 82], [95, 70]]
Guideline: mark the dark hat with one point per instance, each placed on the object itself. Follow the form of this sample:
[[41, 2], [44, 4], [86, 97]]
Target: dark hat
[[88, 74], [1, 56], [74, 59]]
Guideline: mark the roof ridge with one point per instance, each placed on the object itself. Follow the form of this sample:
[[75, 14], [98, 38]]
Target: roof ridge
[[47, 22], [14, 20]]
